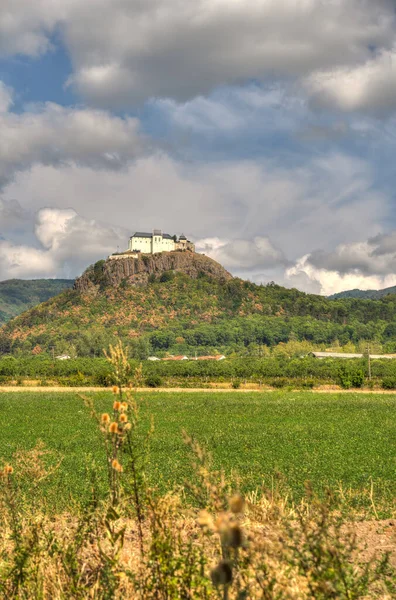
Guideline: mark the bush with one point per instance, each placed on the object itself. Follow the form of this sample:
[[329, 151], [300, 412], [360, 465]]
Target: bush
[[279, 382], [236, 384], [389, 383], [167, 276], [357, 379], [153, 381], [308, 384]]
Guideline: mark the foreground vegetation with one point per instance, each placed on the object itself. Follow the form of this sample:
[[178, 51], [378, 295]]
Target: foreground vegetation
[[129, 538]]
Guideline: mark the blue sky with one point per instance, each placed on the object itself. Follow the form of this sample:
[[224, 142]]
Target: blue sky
[[265, 130]]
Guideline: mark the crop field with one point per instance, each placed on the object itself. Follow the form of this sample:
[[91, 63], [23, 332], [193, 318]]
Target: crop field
[[280, 440]]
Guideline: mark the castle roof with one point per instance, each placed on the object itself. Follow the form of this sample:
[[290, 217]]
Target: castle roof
[[150, 235]]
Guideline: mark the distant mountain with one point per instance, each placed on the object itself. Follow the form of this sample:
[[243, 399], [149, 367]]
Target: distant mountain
[[17, 295], [365, 294]]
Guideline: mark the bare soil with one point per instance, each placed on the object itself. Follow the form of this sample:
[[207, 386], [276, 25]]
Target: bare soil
[[375, 538]]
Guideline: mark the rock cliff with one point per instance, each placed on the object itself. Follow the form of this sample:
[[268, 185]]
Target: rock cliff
[[137, 271]]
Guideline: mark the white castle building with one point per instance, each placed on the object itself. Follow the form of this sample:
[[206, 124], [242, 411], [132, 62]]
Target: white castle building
[[157, 241]]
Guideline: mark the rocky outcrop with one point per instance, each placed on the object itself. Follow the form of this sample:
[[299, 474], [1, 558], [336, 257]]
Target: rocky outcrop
[[137, 271]]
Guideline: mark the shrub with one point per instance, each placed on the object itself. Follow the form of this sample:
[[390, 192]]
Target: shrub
[[153, 381], [389, 383], [279, 382], [308, 384], [357, 379], [167, 276], [236, 384]]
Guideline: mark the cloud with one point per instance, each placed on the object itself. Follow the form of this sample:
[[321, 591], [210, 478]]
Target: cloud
[[18, 261], [235, 199], [52, 134], [125, 51], [242, 255], [12, 216], [5, 98], [309, 278], [370, 86], [365, 265], [134, 50], [377, 256], [65, 243], [69, 237], [26, 27]]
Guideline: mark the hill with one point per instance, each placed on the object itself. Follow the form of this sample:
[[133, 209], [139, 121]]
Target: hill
[[373, 294], [182, 302], [17, 295]]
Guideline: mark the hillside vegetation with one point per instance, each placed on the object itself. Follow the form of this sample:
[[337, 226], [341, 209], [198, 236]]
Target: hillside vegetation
[[17, 295], [183, 303]]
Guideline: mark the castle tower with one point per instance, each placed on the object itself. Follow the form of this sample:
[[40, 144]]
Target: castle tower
[[156, 241]]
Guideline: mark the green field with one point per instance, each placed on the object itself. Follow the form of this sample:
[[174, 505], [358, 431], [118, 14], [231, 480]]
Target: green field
[[327, 439]]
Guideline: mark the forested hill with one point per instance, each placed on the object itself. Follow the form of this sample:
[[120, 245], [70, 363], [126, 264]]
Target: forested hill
[[17, 295], [184, 302], [372, 294]]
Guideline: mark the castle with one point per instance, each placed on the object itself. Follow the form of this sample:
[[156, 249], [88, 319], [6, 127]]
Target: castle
[[151, 243]]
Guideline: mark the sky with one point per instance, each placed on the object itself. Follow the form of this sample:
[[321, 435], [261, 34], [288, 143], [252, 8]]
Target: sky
[[264, 130]]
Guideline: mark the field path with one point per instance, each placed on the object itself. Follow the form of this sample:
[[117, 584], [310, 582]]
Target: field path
[[36, 388]]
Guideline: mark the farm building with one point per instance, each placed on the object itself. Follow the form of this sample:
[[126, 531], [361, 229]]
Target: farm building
[[215, 357]]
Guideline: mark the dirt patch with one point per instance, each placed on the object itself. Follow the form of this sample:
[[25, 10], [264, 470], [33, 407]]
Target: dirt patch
[[375, 538]]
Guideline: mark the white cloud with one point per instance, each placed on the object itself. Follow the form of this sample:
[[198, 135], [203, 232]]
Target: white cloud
[[370, 86], [365, 265], [19, 261], [309, 278], [65, 244]]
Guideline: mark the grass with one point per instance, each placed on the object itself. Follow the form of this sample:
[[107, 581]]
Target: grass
[[286, 438]]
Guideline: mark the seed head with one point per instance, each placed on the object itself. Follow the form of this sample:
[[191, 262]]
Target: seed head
[[115, 389], [105, 418], [222, 574], [205, 519], [233, 536], [8, 470], [237, 504], [116, 466], [117, 405], [124, 406], [113, 427], [127, 426], [123, 418]]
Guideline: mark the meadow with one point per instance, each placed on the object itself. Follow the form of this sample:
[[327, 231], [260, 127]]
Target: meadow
[[278, 440]]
